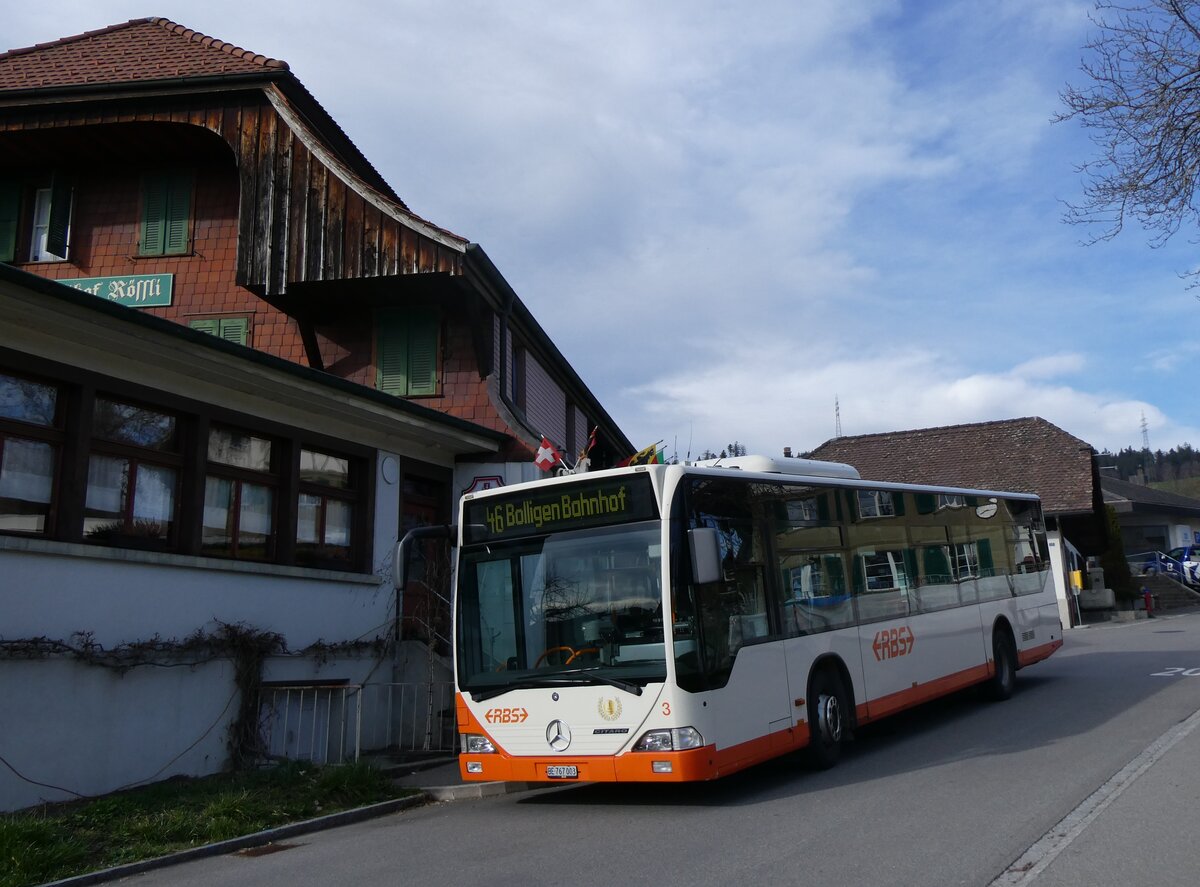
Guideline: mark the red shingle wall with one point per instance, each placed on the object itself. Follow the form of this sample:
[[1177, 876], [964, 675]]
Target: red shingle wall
[[105, 228]]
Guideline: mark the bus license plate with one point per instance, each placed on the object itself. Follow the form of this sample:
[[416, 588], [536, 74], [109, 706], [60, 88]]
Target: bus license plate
[[569, 772]]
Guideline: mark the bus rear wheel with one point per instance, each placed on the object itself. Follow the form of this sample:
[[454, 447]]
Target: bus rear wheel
[[1004, 658], [827, 724]]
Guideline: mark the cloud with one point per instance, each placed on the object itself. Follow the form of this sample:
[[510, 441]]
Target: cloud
[[775, 393]]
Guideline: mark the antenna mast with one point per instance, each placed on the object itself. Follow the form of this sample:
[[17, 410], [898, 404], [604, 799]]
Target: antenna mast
[[837, 417], [1145, 433]]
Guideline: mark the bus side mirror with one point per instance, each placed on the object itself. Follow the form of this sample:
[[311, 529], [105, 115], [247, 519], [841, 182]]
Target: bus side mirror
[[705, 545]]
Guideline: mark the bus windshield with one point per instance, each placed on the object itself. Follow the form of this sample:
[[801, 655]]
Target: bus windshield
[[583, 606]]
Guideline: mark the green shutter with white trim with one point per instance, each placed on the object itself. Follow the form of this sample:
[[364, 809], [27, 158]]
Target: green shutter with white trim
[[154, 214], [166, 213], [60, 216], [422, 355], [406, 353], [179, 214], [231, 329], [392, 347]]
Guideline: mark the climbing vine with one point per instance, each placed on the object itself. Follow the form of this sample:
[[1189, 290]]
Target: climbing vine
[[247, 647]]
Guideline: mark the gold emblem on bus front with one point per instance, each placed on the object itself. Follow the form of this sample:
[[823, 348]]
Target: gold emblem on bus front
[[609, 708]]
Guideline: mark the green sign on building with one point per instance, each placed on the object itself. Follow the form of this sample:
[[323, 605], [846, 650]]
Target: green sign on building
[[133, 290]]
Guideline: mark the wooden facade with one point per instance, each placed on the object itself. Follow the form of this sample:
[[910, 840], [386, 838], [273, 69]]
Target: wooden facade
[[302, 216]]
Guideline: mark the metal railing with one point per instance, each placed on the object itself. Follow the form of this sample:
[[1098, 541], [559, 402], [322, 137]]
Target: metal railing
[[335, 723], [321, 723], [412, 717]]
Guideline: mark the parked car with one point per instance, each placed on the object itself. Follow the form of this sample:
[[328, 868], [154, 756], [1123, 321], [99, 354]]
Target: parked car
[[1182, 564]]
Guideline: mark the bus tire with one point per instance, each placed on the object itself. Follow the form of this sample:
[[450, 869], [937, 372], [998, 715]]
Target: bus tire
[[828, 723], [1004, 656]]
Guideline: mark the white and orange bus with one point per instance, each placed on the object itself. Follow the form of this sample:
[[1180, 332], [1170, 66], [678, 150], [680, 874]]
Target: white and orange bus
[[671, 623]]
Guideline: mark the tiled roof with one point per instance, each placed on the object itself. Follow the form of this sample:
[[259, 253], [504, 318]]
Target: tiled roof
[[1015, 455], [1116, 490], [138, 50]]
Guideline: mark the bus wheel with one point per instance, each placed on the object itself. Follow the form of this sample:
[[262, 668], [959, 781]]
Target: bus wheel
[[1004, 656], [826, 719]]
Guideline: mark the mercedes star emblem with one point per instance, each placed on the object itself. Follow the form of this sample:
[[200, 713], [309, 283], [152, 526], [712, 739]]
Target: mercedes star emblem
[[558, 735]]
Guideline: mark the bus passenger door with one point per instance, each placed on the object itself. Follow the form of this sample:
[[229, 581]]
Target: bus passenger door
[[890, 652]]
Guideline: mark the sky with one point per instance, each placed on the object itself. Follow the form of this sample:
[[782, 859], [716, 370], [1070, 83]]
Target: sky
[[738, 221]]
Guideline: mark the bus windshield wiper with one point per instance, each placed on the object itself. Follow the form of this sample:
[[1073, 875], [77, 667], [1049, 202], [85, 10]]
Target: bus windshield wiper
[[571, 676]]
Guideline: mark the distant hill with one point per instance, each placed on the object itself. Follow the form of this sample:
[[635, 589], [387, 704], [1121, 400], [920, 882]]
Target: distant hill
[[1188, 486]]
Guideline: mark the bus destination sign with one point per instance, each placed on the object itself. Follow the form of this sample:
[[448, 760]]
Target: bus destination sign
[[561, 507]]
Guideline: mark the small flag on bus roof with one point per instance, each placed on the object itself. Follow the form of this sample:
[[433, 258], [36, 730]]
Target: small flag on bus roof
[[547, 457], [650, 455]]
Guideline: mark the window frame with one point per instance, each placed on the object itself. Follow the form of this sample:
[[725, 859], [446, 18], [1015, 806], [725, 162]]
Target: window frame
[[239, 477], [52, 435], [137, 457]]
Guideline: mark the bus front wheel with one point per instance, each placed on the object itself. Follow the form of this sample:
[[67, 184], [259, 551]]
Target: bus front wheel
[[827, 713]]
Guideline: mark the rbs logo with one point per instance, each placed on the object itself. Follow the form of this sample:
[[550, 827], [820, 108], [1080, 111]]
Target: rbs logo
[[893, 642], [506, 715]]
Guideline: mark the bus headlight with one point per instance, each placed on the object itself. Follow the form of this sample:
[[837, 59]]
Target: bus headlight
[[474, 744], [679, 739]]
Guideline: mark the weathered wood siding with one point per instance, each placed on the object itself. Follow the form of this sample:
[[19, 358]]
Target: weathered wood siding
[[298, 220]]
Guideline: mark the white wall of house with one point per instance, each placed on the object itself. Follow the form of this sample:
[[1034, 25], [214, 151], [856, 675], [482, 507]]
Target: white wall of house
[[82, 729]]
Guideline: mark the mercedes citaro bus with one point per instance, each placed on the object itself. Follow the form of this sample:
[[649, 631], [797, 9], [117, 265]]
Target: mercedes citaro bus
[[669, 623]]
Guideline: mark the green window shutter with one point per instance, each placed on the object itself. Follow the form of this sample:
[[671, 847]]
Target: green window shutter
[[422, 356], [233, 329], [984, 547], [60, 216], [898, 504], [926, 503], [178, 214], [392, 348], [154, 215], [407, 352], [10, 204], [936, 564]]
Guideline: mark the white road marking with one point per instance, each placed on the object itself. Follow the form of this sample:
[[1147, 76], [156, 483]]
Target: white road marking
[[1046, 848]]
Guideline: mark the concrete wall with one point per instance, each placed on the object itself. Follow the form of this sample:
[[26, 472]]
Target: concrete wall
[[87, 729]]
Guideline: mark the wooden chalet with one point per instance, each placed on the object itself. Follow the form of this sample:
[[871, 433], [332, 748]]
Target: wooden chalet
[[198, 181]]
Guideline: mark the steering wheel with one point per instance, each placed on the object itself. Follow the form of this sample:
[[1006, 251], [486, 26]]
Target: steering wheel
[[549, 650]]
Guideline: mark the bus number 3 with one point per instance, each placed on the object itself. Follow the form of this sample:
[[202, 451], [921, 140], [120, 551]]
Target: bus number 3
[[666, 709]]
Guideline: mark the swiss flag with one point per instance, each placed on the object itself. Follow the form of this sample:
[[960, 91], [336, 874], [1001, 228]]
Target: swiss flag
[[547, 457]]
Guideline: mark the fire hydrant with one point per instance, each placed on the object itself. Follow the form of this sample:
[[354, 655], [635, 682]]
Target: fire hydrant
[[1148, 599]]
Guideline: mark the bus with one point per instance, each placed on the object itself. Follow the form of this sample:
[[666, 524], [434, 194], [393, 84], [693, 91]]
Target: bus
[[675, 623]]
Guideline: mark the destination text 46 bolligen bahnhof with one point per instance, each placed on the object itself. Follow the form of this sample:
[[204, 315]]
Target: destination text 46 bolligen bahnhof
[[528, 513]]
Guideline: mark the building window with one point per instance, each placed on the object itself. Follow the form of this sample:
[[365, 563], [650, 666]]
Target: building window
[[166, 214], [231, 329], [133, 474], [29, 448], [876, 503], [325, 516], [239, 496], [407, 353], [42, 209]]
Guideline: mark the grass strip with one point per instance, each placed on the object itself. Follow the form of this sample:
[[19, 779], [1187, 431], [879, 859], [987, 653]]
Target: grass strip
[[60, 840]]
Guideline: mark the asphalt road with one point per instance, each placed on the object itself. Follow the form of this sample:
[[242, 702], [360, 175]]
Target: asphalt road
[[961, 791]]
